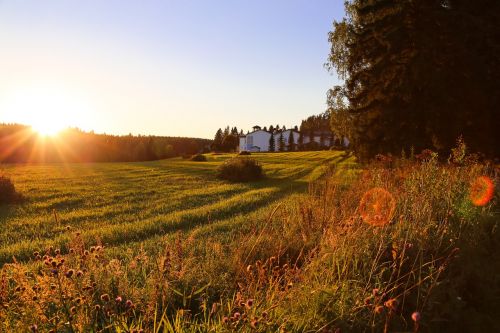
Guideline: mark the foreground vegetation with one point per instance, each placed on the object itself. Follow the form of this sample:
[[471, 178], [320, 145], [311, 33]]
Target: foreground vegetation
[[165, 246]]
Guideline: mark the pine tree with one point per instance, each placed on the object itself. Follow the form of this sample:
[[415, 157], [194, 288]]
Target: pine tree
[[271, 129], [300, 141], [291, 142], [281, 142], [272, 144], [217, 143]]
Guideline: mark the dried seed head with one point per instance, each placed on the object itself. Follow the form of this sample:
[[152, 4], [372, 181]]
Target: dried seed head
[[392, 304]]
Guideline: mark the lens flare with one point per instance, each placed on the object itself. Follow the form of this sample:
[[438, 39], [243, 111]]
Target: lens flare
[[377, 207], [481, 191]]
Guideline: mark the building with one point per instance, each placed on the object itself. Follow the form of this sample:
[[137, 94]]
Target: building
[[258, 139]]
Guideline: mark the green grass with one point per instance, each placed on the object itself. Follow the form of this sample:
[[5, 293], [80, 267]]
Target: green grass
[[133, 203]]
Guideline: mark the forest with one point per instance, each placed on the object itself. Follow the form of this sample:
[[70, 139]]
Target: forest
[[20, 144]]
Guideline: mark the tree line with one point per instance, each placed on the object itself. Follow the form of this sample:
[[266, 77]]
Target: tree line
[[19, 144], [227, 140], [417, 75]]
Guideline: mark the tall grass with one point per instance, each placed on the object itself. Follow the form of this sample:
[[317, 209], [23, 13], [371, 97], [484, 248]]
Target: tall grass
[[312, 263]]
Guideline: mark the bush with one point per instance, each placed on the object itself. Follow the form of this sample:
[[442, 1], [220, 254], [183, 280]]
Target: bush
[[240, 169], [8, 192], [245, 153], [199, 158], [186, 156]]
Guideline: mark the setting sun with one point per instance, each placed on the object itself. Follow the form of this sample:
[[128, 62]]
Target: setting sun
[[48, 109]]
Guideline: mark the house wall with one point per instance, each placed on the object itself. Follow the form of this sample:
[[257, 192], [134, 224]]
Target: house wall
[[261, 139], [255, 139]]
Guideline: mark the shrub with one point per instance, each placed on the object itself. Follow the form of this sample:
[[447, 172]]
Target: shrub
[[8, 192], [245, 153], [240, 169], [186, 156], [199, 158]]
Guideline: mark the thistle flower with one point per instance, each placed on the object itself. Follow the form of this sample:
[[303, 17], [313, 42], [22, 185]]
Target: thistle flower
[[118, 299], [236, 315], [129, 304], [392, 304], [225, 320], [249, 303]]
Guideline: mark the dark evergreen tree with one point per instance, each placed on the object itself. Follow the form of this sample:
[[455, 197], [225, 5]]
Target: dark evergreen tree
[[271, 128], [417, 74], [291, 142], [272, 143], [281, 142], [217, 143], [300, 141]]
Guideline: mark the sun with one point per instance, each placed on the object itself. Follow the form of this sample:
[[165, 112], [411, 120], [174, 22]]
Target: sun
[[47, 108]]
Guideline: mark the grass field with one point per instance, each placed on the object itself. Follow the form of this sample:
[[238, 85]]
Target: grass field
[[127, 204], [364, 249]]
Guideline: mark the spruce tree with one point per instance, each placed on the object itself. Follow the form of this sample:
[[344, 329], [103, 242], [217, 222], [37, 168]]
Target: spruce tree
[[217, 143], [300, 141], [417, 74], [272, 144], [281, 142], [291, 142]]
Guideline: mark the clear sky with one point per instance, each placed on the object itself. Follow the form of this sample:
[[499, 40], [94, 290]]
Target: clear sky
[[172, 67]]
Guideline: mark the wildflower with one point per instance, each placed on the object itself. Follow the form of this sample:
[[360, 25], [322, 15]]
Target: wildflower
[[34, 328], [264, 314], [79, 273], [86, 253], [254, 323], [68, 227], [36, 254], [92, 249], [249, 268], [105, 297], [415, 316], [97, 307], [73, 309], [34, 298], [58, 251], [236, 315], [375, 291], [378, 309], [392, 304], [129, 304], [225, 320], [54, 264], [249, 303], [71, 250], [55, 271], [118, 299]]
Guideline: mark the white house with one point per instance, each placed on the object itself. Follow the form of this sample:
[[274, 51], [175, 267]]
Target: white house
[[258, 139]]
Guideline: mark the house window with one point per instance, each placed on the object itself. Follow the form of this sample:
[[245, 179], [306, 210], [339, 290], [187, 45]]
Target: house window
[[250, 140]]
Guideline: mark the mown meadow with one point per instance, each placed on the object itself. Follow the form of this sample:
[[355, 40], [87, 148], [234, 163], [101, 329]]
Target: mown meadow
[[322, 244], [129, 203]]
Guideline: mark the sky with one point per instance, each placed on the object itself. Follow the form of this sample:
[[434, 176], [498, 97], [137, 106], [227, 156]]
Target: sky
[[172, 67]]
